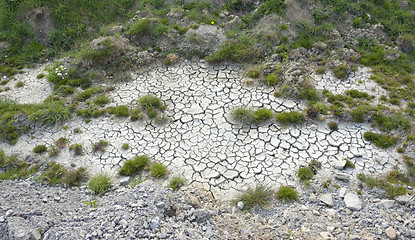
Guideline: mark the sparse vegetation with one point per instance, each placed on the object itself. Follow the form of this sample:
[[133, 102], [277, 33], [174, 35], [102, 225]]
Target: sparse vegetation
[[158, 170], [379, 140], [100, 146], [125, 146], [40, 149], [305, 174], [176, 183], [341, 71], [12, 168], [78, 149], [333, 126], [287, 193], [58, 174], [243, 114], [134, 166], [260, 196], [100, 184], [292, 117], [262, 115]]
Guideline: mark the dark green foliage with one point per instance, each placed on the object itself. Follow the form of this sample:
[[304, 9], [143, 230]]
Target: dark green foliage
[[312, 112], [99, 184], [40, 149], [357, 94], [101, 100], [333, 126], [379, 140], [125, 146], [309, 94], [86, 113], [88, 93], [262, 115], [259, 196], [341, 71], [391, 122], [253, 73], [158, 170], [100, 146], [98, 113], [292, 117], [243, 114], [305, 174], [136, 114], [149, 101], [176, 183], [287, 193], [147, 27], [120, 111], [357, 115], [134, 166]]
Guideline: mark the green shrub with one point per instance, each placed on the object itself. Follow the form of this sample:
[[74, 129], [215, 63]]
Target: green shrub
[[86, 113], [134, 166], [99, 184], [309, 94], [176, 183], [75, 177], [259, 196], [100, 146], [262, 115], [243, 114], [305, 174], [61, 142], [54, 151], [136, 114], [287, 193], [292, 117], [312, 112], [349, 164], [101, 100], [125, 146], [357, 115], [357, 22], [121, 111], [98, 113], [88, 93], [357, 94], [391, 122], [158, 170], [77, 148], [341, 71], [379, 140], [40, 149], [51, 113], [283, 27], [12, 168], [272, 79], [40, 75], [19, 84], [322, 108], [253, 73], [150, 101], [321, 70]]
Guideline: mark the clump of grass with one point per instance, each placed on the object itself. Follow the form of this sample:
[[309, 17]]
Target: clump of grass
[[262, 115], [40, 149], [380, 140], [349, 164], [243, 114], [19, 84], [271, 79], [120, 111], [357, 115], [136, 114], [99, 184], [78, 149], [54, 151], [314, 165], [341, 71], [321, 70], [287, 193], [292, 117], [40, 75], [151, 105], [12, 168], [51, 113], [259, 196], [357, 94], [88, 93], [101, 100], [253, 73], [58, 174], [333, 126], [125, 146], [61, 142], [391, 189], [100, 146], [305, 174], [74, 178], [134, 166], [309, 94], [158, 170], [176, 183]]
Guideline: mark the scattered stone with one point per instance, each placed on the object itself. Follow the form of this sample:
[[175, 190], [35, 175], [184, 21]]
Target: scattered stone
[[352, 201], [327, 199], [240, 205], [339, 164], [391, 233], [386, 203]]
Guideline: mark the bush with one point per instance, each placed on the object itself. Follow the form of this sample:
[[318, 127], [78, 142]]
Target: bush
[[19, 84], [292, 117], [272, 79], [74, 178], [176, 183], [136, 114], [341, 71], [40, 149], [54, 151], [51, 113], [101, 100], [287, 193], [262, 115], [134, 166], [309, 94], [121, 111], [312, 112], [88, 93], [125, 146], [100, 146], [150, 101], [379, 140], [61, 142], [243, 114], [349, 164], [321, 70], [305, 174], [99, 184], [357, 115], [158, 170], [333, 126], [357, 94], [253, 73], [259, 196]]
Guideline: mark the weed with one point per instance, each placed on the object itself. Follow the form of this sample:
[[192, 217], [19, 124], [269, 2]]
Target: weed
[[341, 71], [287, 193], [54, 151], [77, 149], [61, 142], [176, 183], [40, 149], [357, 115], [262, 115], [134, 166], [136, 114], [305, 174], [100, 146], [40, 76], [379, 140], [19, 84], [91, 203], [400, 150], [125, 146], [74, 178], [349, 164], [309, 94], [333, 126], [51, 113], [135, 181], [321, 70], [314, 165], [120, 111], [292, 117], [312, 112], [243, 115], [326, 184], [150, 101], [88, 93], [357, 94], [158, 170], [99, 184], [98, 113], [259, 196], [12, 168], [253, 73], [271, 79], [101, 100]]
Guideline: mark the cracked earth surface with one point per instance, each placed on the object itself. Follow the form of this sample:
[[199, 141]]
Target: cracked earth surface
[[201, 141]]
